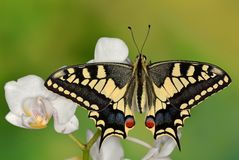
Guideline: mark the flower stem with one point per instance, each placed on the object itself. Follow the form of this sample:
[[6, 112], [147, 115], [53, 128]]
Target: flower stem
[[81, 145], [86, 147], [138, 141], [85, 154], [93, 139]]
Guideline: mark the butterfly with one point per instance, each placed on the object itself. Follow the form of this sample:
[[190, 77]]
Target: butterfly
[[111, 92]]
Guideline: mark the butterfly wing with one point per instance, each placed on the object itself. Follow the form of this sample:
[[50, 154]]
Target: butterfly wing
[[116, 119], [100, 88], [178, 86]]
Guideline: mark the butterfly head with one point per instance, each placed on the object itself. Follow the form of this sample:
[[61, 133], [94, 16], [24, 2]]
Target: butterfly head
[[141, 59]]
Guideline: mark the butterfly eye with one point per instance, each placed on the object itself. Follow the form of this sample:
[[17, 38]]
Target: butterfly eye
[[150, 122], [129, 122]]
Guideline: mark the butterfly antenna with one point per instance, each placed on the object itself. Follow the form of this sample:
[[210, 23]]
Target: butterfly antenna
[[132, 34], [145, 38]]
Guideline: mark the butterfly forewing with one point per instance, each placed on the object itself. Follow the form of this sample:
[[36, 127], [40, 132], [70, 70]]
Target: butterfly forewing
[[93, 86], [177, 86], [101, 89]]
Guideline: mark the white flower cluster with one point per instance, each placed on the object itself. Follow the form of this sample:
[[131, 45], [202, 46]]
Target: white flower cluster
[[32, 105]]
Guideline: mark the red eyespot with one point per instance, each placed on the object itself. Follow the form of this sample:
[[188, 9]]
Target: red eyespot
[[130, 122], [150, 122]]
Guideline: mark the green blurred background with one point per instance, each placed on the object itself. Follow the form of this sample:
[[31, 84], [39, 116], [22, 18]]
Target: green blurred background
[[37, 37]]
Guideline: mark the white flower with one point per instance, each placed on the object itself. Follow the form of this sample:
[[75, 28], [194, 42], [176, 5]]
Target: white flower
[[110, 149], [164, 146], [32, 105], [110, 50]]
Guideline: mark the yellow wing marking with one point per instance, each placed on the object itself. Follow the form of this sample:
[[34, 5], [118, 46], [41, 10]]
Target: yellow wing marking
[[184, 81], [176, 70], [71, 78], [92, 83], [86, 73], [177, 83], [55, 85], [49, 82], [76, 81], [99, 86], [160, 93], [191, 70], [71, 70], [101, 72], [191, 80], [168, 85], [85, 82], [109, 87]]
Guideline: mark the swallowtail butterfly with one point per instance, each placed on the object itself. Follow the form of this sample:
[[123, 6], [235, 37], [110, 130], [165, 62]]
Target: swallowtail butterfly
[[165, 90]]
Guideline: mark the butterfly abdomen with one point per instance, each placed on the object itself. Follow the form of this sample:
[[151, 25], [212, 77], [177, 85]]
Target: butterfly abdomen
[[141, 95]]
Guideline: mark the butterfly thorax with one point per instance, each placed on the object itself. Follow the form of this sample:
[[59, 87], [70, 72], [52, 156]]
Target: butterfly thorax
[[140, 74]]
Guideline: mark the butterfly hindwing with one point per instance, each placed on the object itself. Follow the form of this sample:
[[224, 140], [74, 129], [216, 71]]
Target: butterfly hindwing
[[116, 119], [178, 86], [166, 121]]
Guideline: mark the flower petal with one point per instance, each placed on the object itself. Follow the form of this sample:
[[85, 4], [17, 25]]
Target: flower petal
[[25, 87], [37, 106], [91, 61], [110, 149], [167, 145], [37, 112], [164, 146], [110, 50], [69, 127], [150, 153], [15, 119], [63, 109]]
